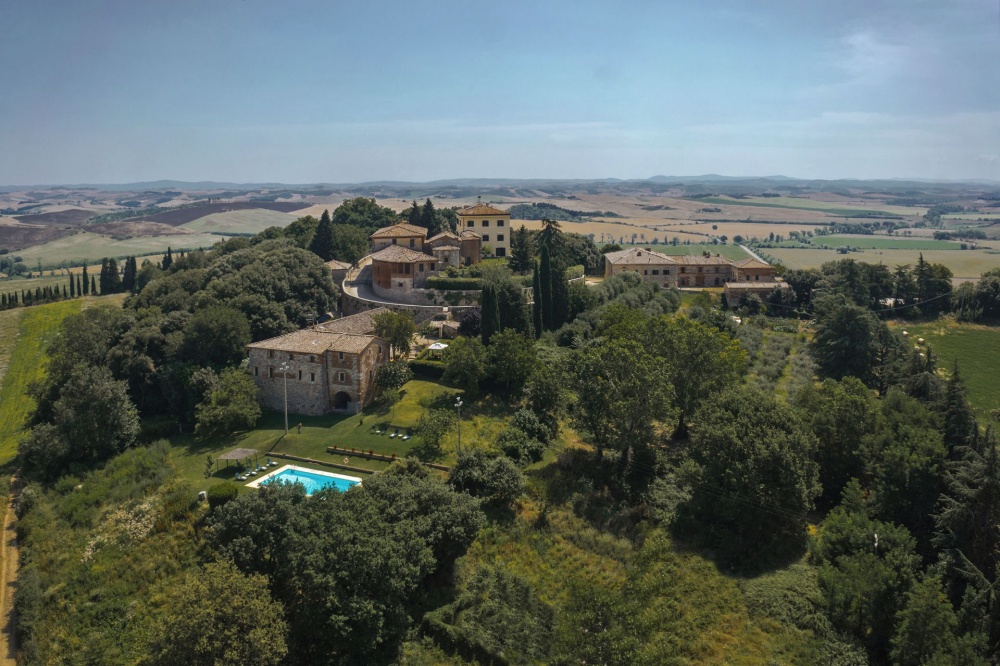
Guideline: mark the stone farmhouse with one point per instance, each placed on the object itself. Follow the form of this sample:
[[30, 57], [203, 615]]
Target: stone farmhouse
[[329, 367], [697, 271]]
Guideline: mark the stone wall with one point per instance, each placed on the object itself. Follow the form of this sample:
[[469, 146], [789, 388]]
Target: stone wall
[[306, 382], [665, 276]]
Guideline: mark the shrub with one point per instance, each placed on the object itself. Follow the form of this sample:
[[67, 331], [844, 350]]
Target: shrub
[[529, 423], [454, 284], [222, 493], [427, 368], [519, 446], [495, 479]]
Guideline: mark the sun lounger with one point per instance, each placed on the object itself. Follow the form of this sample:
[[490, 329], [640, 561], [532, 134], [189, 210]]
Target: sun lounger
[[406, 437], [393, 435]]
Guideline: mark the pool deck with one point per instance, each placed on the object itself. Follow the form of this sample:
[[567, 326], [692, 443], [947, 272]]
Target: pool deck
[[256, 483]]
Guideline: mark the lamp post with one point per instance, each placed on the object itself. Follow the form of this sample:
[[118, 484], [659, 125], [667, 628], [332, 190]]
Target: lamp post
[[284, 367], [458, 406]]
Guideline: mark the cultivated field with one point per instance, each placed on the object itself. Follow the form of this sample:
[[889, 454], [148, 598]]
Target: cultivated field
[[613, 231], [834, 207], [176, 218], [882, 243], [241, 221], [86, 246], [745, 229], [967, 264]]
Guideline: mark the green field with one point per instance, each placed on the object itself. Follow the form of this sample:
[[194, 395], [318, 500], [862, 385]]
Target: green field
[[966, 264], [87, 246], [27, 364], [479, 425], [977, 349], [57, 280], [733, 252], [240, 221], [879, 242], [809, 204], [10, 323]]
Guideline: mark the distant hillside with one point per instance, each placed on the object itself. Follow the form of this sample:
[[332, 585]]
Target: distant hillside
[[547, 211]]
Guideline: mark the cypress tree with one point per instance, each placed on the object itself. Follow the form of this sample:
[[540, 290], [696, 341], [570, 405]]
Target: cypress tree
[[86, 282], [128, 279], [545, 287], [168, 259], [536, 306], [3, 300], [560, 295], [325, 217], [64, 292], [104, 282], [114, 277], [428, 219], [93, 285], [520, 251], [38, 294], [72, 287], [413, 214], [322, 241], [960, 427], [490, 308]]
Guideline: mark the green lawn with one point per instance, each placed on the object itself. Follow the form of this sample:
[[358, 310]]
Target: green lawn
[[977, 349], [481, 422], [10, 323], [27, 364]]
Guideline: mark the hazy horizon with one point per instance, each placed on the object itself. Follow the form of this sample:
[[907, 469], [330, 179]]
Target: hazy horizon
[[315, 92]]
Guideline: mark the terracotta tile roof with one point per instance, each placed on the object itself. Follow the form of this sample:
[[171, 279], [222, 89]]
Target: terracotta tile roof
[[316, 341], [444, 234], [635, 255], [337, 265], [481, 209], [750, 262], [400, 230], [470, 235], [401, 255], [445, 247], [362, 323], [702, 260], [756, 285]]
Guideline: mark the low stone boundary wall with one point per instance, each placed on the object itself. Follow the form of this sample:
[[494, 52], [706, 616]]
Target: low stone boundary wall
[[371, 455]]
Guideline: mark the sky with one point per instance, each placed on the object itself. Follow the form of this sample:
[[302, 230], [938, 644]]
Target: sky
[[351, 91]]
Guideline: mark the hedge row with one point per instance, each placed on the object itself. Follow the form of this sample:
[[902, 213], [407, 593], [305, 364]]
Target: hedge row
[[453, 284], [427, 369], [574, 272]]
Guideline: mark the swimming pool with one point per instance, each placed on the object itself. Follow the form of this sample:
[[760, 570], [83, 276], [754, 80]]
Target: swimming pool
[[314, 481]]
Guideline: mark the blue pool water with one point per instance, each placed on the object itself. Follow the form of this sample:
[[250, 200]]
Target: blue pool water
[[313, 481]]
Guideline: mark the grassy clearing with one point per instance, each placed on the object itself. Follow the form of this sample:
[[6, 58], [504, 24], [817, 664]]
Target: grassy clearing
[[87, 246], [968, 264], [481, 423], [10, 323], [241, 221], [27, 364], [976, 349]]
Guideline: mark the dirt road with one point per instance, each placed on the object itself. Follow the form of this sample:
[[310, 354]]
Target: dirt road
[[8, 581]]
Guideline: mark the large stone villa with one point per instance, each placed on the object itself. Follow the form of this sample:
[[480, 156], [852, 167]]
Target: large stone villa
[[707, 270], [327, 367]]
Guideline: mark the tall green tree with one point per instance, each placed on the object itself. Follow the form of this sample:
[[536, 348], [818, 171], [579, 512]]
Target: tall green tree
[[960, 427], [522, 255], [465, 363], [511, 357], [428, 218], [114, 277], [490, 324], [128, 278], [700, 361], [168, 260], [413, 214], [536, 305], [398, 329], [364, 212], [219, 616], [756, 477], [545, 287], [230, 406], [322, 241], [851, 341], [215, 336], [348, 243], [72, 288]]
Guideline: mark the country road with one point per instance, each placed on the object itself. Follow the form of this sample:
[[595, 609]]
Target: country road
[[8, 580]]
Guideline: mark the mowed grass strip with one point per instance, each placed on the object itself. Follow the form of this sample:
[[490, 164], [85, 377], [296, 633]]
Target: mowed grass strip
[[10, 322], [27, 364]]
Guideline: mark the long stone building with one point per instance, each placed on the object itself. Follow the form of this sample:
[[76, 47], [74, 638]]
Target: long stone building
[[329, 367], [705, 270]]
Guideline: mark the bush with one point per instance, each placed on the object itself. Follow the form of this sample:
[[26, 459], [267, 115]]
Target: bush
[[528, 422], [574, 272], [519, 446], [454, 284], [495, 479], [222, 493], [427, 368]]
